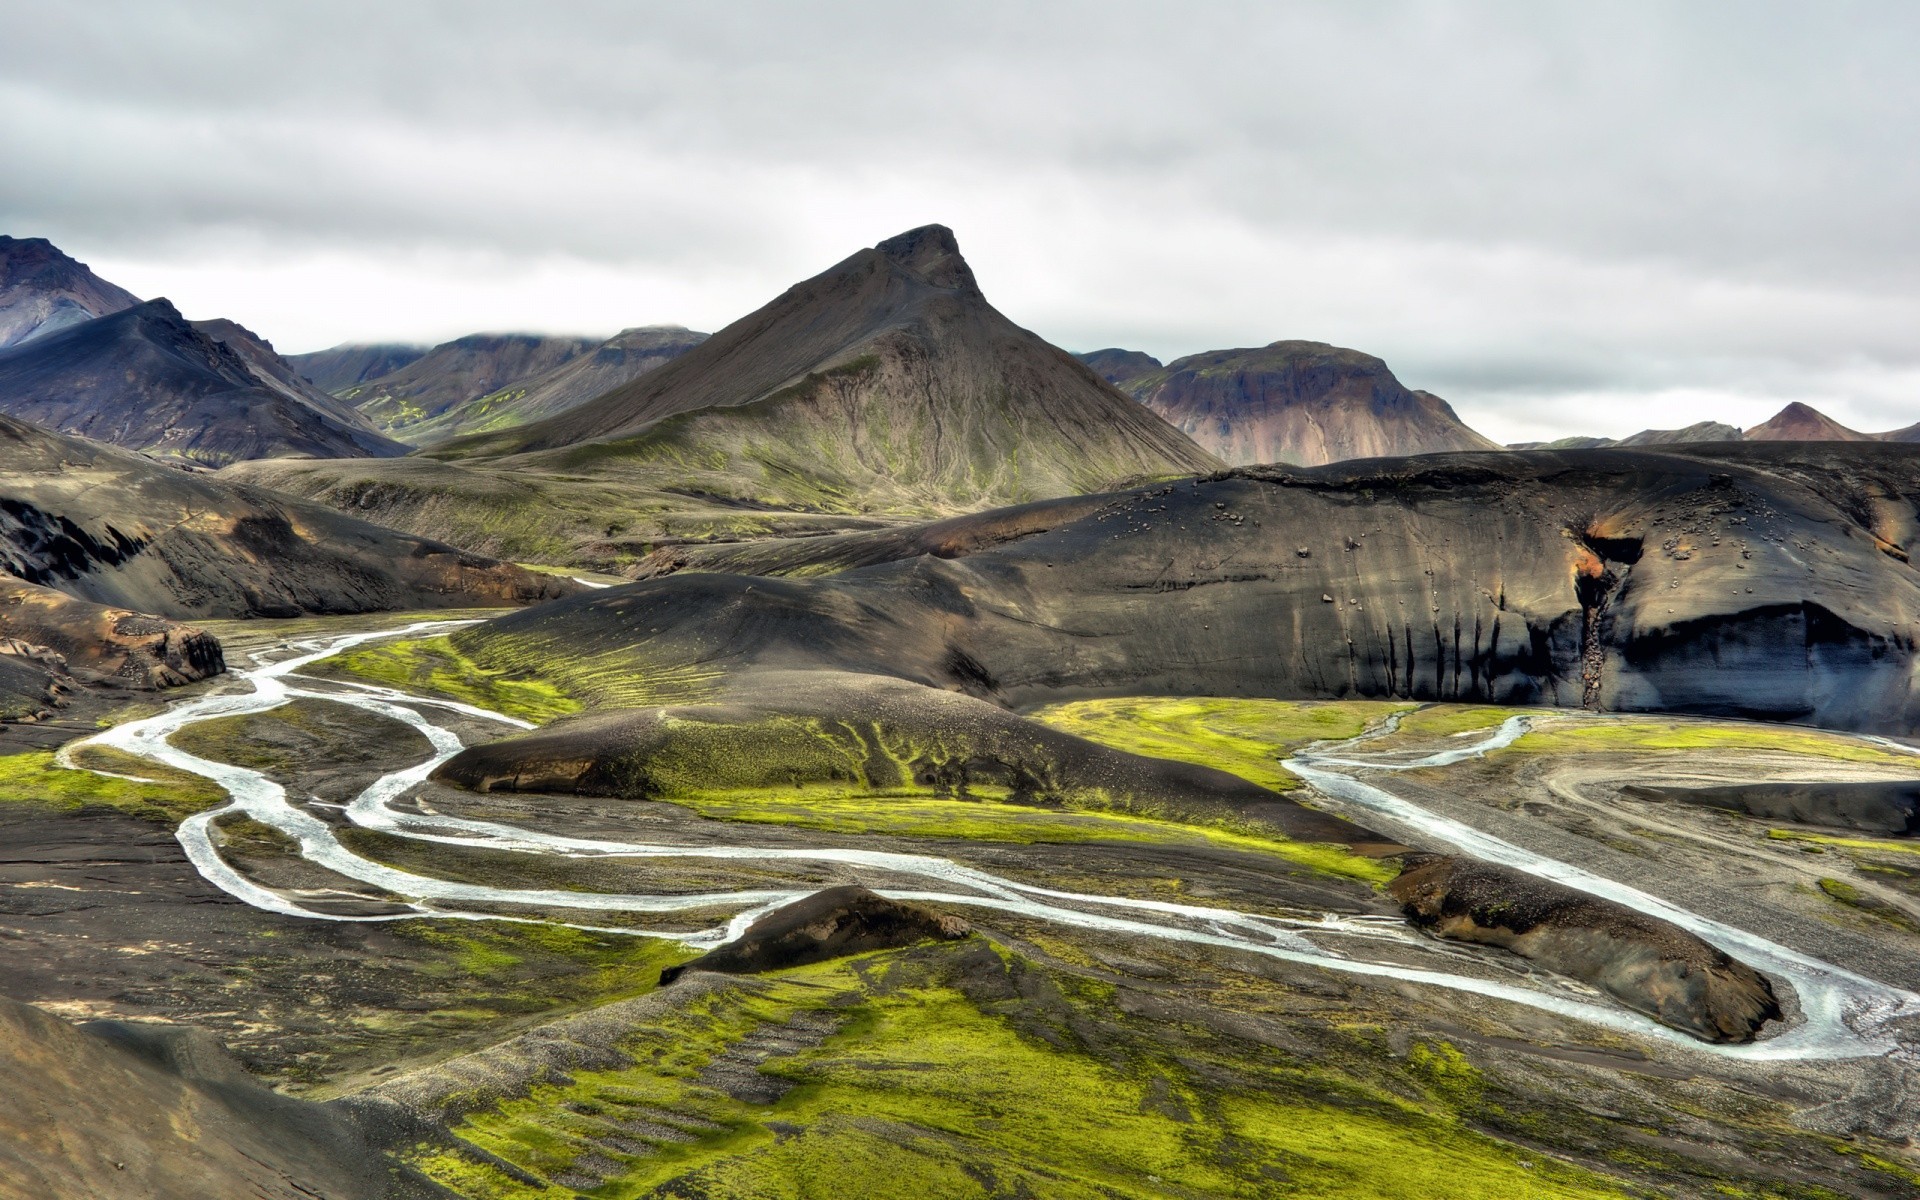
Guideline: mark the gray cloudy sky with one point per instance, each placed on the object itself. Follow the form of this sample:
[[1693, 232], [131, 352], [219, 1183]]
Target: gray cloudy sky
[[1566, 218]]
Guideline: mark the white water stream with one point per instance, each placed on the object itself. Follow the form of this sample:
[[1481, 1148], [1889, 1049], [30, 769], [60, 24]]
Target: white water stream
[[1843, 1014]]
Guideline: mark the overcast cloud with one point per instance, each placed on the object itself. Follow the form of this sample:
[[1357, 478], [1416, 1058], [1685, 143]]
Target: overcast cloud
[[1566, 218]]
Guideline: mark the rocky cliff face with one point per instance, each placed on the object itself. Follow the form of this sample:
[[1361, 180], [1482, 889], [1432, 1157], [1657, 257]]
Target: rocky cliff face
[[1748, 580], [1304, 403], [43, 291], [146, 379]]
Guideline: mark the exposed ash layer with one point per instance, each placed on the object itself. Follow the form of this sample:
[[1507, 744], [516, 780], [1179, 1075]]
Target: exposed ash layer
[[1874, 806], [1767, 581], [1647, 964], [831, 923]]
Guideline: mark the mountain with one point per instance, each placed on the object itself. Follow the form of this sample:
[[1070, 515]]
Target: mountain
[[453, 373], [43, 291], [1300, 402], [1120, 367], [620, 359], [266, 365], [146, 379], [342, 367], [1700, 431], [1799, 423], [886, 388]]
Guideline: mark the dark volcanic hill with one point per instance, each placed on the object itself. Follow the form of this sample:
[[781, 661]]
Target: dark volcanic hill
[[1756, 580], [885, 388], [146, 379], [265, 364], [1120, 367], [620, 359], [1699, 431], [1298, 402], [341, 367], [454, 373], [43, 291], [1799, 423]]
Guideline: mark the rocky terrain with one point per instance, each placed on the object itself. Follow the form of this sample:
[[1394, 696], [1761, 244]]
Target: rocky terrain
[[146, 379], [1304, 403], [885, 388], [454, 374], [44, 291]]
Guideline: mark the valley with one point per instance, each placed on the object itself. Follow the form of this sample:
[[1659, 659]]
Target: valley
[[373, 882]]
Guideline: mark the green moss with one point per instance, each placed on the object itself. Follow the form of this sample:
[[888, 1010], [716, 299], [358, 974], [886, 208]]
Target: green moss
[[36, 777], [1842, 891], [917, 814], [1245, 737], [1845, 843], [1598, 735], [922, 1093], [436, 665], [1446, 720]]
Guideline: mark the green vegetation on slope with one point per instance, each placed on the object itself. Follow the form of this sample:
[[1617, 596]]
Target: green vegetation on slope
[[917, 814], [158, 794], [436, 665], [1591, 735], [929, 1089], [1245, 737]]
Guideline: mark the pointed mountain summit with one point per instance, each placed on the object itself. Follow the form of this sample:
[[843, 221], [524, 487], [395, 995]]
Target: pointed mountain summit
[[883, 389], [620, 359], [456, 373], [338, 368], [147, 379], [1304, 403], [43, 291], [885, 382], [1798, 422]]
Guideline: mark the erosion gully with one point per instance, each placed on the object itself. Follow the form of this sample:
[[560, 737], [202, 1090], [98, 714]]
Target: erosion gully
[[1841, 1014]]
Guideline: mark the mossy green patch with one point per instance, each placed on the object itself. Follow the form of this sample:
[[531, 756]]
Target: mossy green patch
[[1845, 843], [158, 793], [1245, 737], [1592, 735], [909, 814], [1448, 720], [437, 666], [922, 1092]]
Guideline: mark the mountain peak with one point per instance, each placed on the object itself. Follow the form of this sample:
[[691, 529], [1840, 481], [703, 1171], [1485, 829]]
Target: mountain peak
[[930, 253], [1799, 422], [43, 290]]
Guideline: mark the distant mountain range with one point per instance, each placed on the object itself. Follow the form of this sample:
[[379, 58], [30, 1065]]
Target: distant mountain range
[[343, 367], [1795, 423], [886, 386], [1298, 402]]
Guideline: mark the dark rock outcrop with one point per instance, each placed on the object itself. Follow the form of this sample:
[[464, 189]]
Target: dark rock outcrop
[[832, 923], [1298, 402], [1648, 964], [1884, 807], [147, 379]]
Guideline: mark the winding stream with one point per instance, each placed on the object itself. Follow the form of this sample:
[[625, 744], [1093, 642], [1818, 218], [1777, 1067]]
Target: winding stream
[[1843, 1014]]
